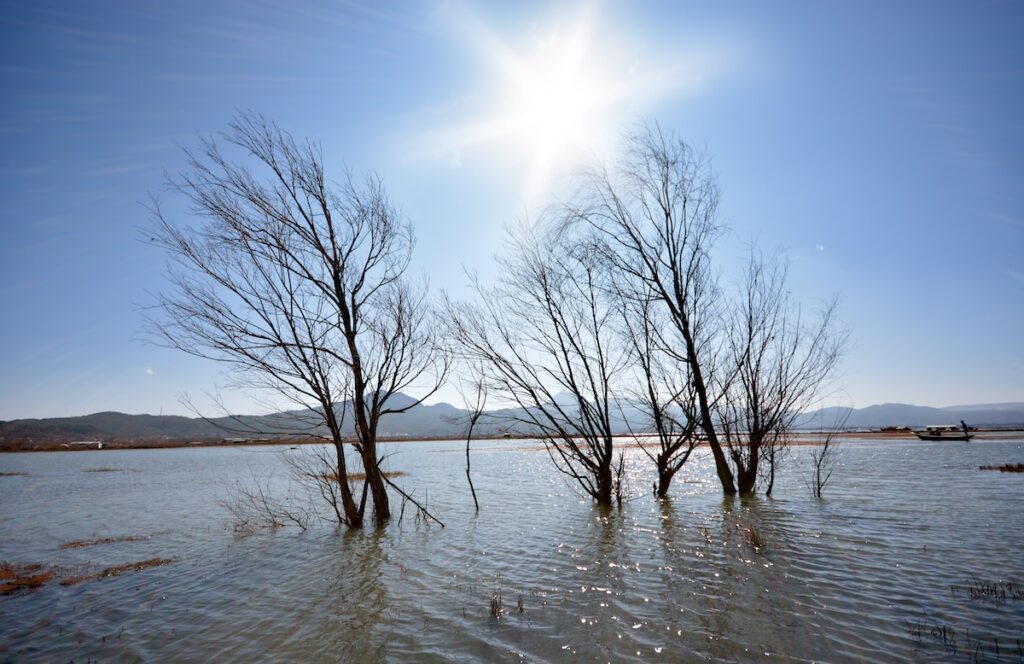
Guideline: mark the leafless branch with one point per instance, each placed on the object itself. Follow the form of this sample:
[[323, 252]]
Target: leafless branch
[[545, 338], [298, 283]]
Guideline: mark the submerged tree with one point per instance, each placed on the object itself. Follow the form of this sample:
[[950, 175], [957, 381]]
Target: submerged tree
[[825, 455], [545, 337], [656, 217], [662, 391], [299, 282], [746, 364], [781, 361], [474, 397]]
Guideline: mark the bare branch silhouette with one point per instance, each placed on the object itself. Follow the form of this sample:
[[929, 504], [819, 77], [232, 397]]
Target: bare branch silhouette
[[474, 398], [298, 283], [545, 338], [781, 362], [661, 390], [655, 216], [825, 456], [743, 370]]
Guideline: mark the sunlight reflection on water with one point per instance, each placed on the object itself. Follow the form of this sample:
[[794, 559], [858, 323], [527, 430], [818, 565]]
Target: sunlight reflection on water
[[849, 578]]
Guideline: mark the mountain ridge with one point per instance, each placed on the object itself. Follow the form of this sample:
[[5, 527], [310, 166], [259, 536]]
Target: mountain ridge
[[445, 420]]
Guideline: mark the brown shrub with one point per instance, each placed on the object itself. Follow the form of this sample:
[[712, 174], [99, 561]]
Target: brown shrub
[[81, 544], [135, 567], [29, 576], [117, 570]]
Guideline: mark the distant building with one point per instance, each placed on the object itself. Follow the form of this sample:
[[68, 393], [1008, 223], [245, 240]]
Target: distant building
[[86, 445]]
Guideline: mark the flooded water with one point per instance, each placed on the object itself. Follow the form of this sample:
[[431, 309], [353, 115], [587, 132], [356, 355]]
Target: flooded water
[[879, 570]]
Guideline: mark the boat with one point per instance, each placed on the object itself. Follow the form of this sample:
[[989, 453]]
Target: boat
[[944, 432]]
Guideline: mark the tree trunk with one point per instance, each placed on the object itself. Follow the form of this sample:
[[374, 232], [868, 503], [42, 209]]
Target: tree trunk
[[665, 475], [352, 514], [375, 481], [721, 463], [748, 475], [469, 478], [367, 433], [707, 421], [605, 484], [747, 481], [771, 474]]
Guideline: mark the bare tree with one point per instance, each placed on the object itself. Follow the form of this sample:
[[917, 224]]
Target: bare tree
[[315, 468], [751, 366], [255, 506], [774, 450], [474, 396], [825, 455], [656, 217], [299, 283], [781, 363], [545, 336], [662, 390]]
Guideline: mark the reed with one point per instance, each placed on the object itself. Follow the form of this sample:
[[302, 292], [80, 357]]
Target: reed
[[1005, 468], [496, 606], [754, 538], [990, 591]]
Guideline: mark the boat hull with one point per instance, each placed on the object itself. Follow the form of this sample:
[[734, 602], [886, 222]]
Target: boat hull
[[953, 436]]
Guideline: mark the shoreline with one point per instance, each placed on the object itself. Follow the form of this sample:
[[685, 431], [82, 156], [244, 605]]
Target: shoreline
[[800, 438]]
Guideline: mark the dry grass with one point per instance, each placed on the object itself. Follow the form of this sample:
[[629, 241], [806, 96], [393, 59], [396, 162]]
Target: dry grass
[[135, 567], [74, 580], [1005, 468], [28, 576], [496, 608], [13, 474], [15, 577], [117, 570], [754, 538], [81, 544]]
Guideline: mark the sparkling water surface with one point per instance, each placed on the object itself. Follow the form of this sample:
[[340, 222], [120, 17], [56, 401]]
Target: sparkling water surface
[[879, 570]]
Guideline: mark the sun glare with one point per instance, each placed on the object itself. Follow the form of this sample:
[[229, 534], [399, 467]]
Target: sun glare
[[555, 107], [554, 99]]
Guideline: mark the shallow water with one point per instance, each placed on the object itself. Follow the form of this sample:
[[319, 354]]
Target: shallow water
[[871, 573]]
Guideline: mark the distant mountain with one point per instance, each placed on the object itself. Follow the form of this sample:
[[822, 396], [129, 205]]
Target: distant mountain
[[1013, 406], [446, 420], [900, 414], [436, 420]]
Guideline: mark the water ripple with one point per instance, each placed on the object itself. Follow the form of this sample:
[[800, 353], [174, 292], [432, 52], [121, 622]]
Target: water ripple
[[864, 575]]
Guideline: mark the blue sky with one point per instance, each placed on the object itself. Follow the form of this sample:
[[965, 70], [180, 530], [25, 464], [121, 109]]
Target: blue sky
[[880, 144]]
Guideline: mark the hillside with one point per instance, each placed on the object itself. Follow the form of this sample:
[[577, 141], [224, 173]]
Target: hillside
[[438, 421]]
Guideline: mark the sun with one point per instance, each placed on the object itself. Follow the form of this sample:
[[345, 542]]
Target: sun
[[541, 101], [553, 98], [556, 97]]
